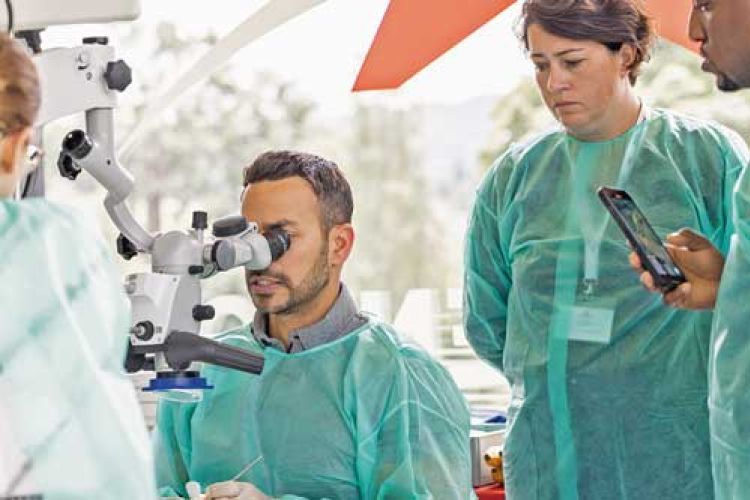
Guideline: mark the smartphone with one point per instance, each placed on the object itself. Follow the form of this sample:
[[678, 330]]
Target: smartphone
[[647, 245]]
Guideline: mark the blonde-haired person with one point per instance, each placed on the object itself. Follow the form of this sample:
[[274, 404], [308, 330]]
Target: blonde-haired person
[[608, 385], [70, 426]]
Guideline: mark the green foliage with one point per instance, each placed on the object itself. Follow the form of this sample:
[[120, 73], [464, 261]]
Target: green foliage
[[675, 80], [202, 143], [398, 240], [518, 116]]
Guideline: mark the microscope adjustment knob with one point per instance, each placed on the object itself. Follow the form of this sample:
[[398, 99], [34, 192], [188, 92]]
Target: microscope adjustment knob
[[118, 75], [200, 220], [67, 167], [143, 331], [202, 313]]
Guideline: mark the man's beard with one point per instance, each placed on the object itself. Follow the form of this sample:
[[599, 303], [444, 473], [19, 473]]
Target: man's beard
[[726, 84], [306, 292]]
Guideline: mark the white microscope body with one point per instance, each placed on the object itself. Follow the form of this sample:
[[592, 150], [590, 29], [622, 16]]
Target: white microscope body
[[166, 302]]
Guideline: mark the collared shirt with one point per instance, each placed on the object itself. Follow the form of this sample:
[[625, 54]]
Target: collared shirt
[[341, 319]]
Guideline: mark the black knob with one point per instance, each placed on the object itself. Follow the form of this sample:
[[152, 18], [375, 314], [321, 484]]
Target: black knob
[[229, 226], [200, 220], [193, 270], [202, 313], [96, 40], [144, 331], [67, 166], [118, 75], [126, 248], [77, 144]]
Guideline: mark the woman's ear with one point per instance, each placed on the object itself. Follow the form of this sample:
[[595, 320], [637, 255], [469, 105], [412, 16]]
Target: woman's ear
[[627, 56], [12, 148]]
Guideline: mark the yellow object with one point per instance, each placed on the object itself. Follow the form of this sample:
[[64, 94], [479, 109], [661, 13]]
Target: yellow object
[[497, 476], [493, 457]]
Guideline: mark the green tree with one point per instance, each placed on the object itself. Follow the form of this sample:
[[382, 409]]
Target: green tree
[[399, 243], [198, 151], [517, 116]]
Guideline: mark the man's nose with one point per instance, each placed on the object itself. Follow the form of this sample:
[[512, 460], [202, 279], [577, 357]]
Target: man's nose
[[695, 27]]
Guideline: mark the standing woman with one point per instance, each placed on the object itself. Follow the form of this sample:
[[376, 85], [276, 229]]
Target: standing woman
[[608, 385], [70, 426]]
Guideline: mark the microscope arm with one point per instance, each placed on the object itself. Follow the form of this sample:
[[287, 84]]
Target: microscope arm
[[93, 151], [87, 78], [114, 178]]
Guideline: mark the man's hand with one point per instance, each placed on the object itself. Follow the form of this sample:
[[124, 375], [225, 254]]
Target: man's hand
[[700, 262], [234, 490]]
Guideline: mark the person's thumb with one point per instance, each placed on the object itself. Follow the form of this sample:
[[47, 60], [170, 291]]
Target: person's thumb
[[678, 253], [687, 238]]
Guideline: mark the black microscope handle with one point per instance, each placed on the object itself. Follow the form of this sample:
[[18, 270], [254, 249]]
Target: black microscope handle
[[182, 348]]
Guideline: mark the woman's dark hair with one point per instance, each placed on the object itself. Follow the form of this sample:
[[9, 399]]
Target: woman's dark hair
[[612, 23]]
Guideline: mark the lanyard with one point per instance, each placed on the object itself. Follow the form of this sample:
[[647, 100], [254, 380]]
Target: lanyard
[[593, 233]]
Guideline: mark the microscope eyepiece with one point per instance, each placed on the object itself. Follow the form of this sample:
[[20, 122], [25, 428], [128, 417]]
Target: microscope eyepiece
[[278, 242]]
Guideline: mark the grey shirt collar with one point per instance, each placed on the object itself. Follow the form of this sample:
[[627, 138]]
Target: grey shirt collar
[[341, 319]]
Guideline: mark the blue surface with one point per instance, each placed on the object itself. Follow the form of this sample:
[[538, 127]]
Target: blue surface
[[165, 384]]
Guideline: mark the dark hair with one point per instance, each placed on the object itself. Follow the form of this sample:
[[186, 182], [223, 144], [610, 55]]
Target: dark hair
[[612, 23], [20, 96], [324, 176]]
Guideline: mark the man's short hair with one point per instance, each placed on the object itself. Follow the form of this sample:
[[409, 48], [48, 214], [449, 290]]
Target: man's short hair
[[324, 176]]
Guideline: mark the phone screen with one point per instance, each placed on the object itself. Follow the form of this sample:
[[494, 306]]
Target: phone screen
[[650, 241]]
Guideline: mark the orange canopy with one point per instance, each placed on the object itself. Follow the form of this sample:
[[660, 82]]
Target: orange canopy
[[413, 33]]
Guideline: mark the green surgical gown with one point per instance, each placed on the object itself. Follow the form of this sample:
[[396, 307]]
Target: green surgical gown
[[365, 416], [608, 385], [729, 382], [75, 429]]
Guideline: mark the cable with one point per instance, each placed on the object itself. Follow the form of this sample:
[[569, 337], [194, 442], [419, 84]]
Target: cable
[[9, 7]]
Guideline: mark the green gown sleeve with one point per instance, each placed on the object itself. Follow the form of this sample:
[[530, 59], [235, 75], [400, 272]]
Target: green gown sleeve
[[487, 275]]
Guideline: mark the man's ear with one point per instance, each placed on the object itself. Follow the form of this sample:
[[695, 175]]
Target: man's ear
[[340, 243]]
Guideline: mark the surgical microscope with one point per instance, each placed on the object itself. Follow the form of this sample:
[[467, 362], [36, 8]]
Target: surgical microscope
[[166, 303]]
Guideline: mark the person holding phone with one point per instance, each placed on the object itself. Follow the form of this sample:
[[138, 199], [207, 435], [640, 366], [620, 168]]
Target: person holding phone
[[608, 385], [723, 30]]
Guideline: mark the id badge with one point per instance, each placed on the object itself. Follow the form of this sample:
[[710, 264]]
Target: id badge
[[591, 324], [591, 319]]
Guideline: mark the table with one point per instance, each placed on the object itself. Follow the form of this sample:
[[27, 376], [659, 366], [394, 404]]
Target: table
[[490, 492]]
